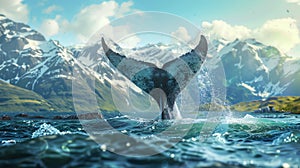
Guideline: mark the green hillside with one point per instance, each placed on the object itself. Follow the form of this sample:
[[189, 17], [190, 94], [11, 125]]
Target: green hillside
[[284, 104], [16, 99]]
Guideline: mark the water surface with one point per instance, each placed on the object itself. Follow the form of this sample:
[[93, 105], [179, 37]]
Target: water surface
[[242, 140]]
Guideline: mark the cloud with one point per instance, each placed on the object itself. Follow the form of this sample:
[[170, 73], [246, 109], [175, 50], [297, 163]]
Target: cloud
[[51, 9], [182, 34], [93, 17], [49, 27], [14, 9], [220, 29], [281, 33], [125, 7], [294, 1]]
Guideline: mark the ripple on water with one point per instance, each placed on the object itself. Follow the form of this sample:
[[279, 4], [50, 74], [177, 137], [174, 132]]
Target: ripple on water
[[242, 142]]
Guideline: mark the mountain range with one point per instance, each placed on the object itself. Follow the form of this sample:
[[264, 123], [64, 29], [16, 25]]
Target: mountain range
[[257, 71], [36, 74]]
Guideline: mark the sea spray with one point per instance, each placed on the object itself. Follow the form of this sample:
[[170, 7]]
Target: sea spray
[[47, 129]]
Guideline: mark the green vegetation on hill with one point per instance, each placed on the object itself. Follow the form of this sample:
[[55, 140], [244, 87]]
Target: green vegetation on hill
[[16, 99], [282, 104]]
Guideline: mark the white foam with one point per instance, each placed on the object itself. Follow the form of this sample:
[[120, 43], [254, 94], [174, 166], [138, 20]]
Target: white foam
[[8, 142], [47, 129]]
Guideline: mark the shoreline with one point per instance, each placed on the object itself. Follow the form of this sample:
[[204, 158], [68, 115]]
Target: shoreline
[[49, 116], [5, 116]]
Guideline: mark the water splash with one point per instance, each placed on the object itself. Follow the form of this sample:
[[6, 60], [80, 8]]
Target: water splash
[[289, 137], [247, 119], [8, 142], [47, 129], [247, 116]]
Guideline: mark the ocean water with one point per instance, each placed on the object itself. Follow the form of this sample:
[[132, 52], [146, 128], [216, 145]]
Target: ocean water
[[241, 140]]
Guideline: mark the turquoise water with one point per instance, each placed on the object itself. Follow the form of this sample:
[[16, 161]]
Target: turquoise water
[[242, 140]]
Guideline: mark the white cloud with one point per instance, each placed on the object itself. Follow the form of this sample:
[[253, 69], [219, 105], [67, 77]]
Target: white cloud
[[125, 7], [14, 9], [182, 34], [93, 17], [220, 29], [51, 9], [49, 27], [293, 1], [281, 33]]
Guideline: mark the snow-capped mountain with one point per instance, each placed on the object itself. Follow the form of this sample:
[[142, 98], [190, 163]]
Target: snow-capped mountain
[[29, 61], [253, 70], [256, 71], [16, 54]]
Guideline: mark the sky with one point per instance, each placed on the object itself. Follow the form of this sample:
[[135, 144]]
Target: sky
[[272, 22]]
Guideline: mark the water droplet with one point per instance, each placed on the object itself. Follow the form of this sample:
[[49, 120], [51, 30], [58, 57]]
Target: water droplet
[[286, 165], [8, 142], [103, 147]]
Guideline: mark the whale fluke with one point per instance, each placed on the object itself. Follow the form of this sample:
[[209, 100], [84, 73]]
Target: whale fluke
[[163, 84]]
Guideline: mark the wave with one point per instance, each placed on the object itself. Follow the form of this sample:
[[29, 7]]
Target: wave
[[289, 137]]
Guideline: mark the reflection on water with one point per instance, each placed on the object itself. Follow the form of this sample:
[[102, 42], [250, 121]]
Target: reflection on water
[[240, 141]]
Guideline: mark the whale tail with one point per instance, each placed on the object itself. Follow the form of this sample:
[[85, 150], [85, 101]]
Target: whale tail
[[163, 84]]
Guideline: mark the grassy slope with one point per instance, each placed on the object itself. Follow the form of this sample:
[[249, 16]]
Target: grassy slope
[[286, 104], [16, 99]]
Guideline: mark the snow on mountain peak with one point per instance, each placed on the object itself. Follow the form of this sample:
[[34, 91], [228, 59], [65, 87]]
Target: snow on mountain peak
[[10, 29], [28, 56], [158, 54], [253, 70]]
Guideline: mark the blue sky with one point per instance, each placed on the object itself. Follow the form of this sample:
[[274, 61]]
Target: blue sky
[[274, 22]]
